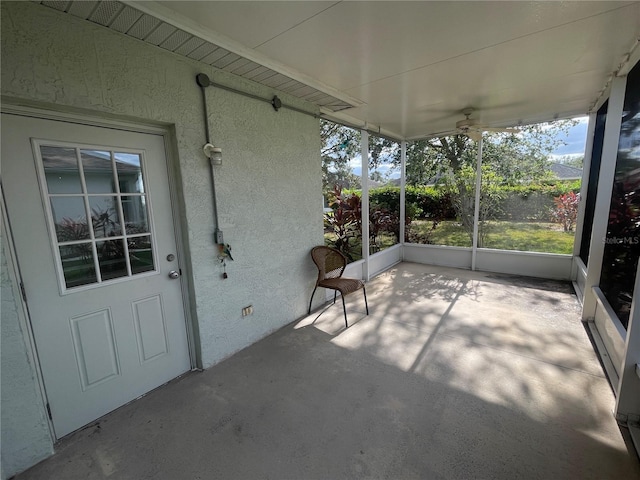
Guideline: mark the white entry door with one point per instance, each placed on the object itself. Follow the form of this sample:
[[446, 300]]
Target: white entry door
[[91, 217]]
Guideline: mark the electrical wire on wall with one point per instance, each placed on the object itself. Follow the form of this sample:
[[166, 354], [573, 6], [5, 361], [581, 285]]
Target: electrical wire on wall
[[214, 154]]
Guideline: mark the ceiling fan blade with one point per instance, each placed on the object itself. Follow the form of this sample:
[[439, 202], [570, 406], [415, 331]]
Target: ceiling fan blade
[[500, 130], [446, 133], [474, 135]]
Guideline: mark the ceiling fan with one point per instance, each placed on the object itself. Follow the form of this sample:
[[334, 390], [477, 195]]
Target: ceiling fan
[[472, 128]]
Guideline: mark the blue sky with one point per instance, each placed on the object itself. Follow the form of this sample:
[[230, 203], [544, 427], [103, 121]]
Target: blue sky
[[575, 140]]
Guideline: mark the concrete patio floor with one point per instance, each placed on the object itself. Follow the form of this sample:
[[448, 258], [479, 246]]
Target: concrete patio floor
[[453, 375]]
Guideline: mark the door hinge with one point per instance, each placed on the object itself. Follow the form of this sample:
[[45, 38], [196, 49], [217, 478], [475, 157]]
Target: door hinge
[[24, 292], [49, 412]]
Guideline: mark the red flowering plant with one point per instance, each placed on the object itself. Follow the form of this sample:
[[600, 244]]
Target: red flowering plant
[[565, 210], [344, 220]]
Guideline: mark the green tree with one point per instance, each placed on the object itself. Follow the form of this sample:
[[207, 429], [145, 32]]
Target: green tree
[[507, 158], [340, 144], [461, 189], [516, 158], [376, 176], [576, 161]]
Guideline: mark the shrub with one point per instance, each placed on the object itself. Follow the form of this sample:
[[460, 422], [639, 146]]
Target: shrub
[[344, 220], [530, 202], [436, 203], [565, 211], [421, 201]]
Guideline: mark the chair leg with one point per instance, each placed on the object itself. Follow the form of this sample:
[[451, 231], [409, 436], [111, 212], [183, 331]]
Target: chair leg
[[335, 293], [344, 307], [311, 301], [365, 299]]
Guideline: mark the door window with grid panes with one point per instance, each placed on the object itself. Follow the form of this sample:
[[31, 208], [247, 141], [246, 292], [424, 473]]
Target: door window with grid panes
[[99, 213]]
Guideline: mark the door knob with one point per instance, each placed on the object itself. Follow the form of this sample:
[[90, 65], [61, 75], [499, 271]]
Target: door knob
[[173, 274]]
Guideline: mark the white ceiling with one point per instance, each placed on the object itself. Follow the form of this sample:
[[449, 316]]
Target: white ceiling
[[411, 67]]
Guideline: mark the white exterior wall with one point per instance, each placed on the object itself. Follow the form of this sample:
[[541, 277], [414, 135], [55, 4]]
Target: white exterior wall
[[580, 274], [611, 332], [628, 388], [267, 188], [456, 257], [530, 264]]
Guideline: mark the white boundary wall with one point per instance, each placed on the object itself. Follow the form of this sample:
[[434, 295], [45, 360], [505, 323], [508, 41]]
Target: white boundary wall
[[530, 264]]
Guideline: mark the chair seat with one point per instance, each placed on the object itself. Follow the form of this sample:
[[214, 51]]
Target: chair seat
[[343, 285]]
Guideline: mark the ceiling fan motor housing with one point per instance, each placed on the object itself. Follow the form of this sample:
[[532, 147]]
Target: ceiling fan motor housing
[[466, 124]]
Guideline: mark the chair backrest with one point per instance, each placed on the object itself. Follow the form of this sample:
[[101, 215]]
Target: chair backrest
[[330, 262]]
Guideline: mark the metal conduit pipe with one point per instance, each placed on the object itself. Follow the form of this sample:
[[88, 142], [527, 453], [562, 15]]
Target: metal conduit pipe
[[204, 81]]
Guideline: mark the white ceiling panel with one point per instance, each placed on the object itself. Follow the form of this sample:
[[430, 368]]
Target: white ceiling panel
[[390, 38], [503, 79], [251, 23], [407, 68], [416, 65]]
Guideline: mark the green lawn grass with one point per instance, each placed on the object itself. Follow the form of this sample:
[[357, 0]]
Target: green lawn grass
[[448, 233], [521, 236]]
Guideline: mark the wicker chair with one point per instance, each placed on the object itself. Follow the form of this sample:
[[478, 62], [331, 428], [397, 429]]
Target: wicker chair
[[331, 264]]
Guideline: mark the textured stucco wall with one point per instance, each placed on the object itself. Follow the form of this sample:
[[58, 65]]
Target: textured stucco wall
[[268, 189], [25, 434]]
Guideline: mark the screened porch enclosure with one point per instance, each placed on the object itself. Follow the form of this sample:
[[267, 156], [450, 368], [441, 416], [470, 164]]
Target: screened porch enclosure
[[459, 257], [523, 207]]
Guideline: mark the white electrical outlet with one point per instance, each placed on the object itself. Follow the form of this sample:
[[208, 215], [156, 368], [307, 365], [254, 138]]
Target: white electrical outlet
[[248, 310]]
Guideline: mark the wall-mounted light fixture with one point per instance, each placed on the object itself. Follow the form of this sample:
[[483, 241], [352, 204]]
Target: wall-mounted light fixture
[[214, 154]]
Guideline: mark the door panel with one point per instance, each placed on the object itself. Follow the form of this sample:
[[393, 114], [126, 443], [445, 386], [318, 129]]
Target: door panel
[[92, 221], [150, 328], [94, 347]]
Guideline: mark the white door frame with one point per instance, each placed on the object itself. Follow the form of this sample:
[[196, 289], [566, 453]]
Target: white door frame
[[22, 310], [178, 220]]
